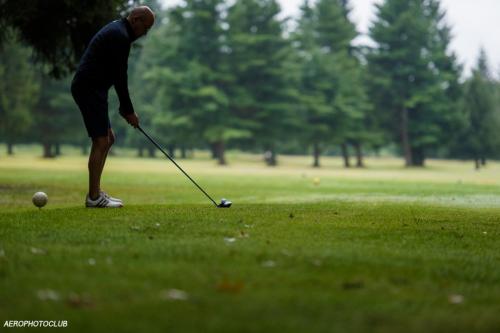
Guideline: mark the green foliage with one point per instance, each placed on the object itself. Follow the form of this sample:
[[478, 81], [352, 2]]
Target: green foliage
[[184, 79], [479, 139], [58, 30], [333, 98], [197, 90], [334, 31], [56, 117], [261, 88], [19, 89], [413, 76]]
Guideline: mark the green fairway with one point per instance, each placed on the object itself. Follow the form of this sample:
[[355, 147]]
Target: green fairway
[[383, 249]]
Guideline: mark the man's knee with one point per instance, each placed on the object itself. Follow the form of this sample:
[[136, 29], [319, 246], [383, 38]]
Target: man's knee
[[101, 143], [104, 143]]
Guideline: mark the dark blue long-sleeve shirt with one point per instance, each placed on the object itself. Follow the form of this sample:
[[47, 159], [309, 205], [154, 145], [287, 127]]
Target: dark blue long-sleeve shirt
[[105, 61]]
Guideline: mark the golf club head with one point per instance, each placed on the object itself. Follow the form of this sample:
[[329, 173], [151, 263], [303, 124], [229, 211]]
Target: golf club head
[[224, 203]]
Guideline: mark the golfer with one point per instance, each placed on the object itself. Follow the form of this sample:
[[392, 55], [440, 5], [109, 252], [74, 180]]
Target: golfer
[[104, 64]]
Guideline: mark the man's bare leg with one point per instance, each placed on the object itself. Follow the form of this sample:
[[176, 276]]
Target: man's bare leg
[[111, 141], [97, 160]]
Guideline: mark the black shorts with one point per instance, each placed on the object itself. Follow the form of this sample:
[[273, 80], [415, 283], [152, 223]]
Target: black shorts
[[93, 104]]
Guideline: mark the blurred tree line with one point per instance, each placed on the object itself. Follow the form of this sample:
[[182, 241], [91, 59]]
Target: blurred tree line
[[215, 75]]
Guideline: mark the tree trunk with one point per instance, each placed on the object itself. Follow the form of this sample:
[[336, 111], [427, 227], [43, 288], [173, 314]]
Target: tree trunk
[[345, 155], [140, 152], [405, 138], [483, 161], [171, 151], [316, 154], [359, 155], [183, 153], [478, 164], [213, 149], [418, 157], [152, 152], [10, 148], [47, 150], [57, 147], [220, 150]]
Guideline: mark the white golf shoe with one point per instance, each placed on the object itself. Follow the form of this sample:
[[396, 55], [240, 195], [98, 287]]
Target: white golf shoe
[[110, 197], [102, 202]]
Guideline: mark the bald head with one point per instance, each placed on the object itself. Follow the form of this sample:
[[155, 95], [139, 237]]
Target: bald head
[[141, 19]]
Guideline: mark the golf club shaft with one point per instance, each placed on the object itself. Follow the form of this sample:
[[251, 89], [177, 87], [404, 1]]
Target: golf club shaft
[[177, 165]]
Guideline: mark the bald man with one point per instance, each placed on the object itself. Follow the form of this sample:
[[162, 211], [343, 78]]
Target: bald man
[[104, 64]]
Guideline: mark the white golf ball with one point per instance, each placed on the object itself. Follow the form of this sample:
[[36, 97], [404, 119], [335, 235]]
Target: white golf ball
[[40, 199]]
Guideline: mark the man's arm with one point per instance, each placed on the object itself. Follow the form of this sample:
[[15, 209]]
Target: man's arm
[[121, 85]]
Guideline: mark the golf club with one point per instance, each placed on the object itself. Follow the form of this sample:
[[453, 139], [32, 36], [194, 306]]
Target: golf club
[[223, 203]]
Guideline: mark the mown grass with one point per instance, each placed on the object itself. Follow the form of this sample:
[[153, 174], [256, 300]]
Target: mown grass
[[377, 250]]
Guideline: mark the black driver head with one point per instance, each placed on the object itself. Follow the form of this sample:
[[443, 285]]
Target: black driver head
[[224, 203]]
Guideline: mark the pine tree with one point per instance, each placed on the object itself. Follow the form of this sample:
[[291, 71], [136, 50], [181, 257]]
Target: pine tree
[[334, 30], [191, 78], [56, 116], [479, 141], [261, 91], [316, 71], [413, 76], [333, 98], [18, 92]]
